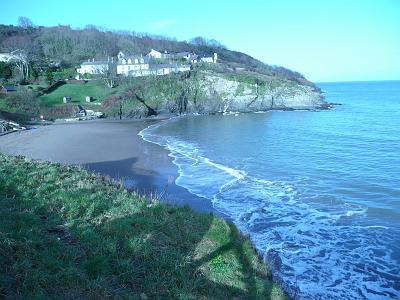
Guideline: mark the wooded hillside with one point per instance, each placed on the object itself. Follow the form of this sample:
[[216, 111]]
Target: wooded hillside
[[69, 47]]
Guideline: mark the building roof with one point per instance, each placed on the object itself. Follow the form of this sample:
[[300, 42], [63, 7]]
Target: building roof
[[9, 88], [161, 66], [183, 54], [98, 62], [145, 60]]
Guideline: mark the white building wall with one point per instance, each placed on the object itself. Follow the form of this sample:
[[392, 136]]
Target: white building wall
[[207, 59], [155, 54], [126, 69], [5, 57], [92, 69]]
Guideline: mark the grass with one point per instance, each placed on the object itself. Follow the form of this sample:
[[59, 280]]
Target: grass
[[4, 106], [78, 92], [36, 86], [67, 233]]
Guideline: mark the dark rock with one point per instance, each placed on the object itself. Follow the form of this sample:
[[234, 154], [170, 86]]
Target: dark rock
[[273, 260]]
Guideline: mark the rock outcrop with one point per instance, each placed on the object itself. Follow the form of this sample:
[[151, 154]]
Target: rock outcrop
[[227, 95], [208, 92]]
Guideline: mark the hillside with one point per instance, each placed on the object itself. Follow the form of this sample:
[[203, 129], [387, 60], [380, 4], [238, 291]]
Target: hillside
[[237, 83], [90, 238], [70, 47]]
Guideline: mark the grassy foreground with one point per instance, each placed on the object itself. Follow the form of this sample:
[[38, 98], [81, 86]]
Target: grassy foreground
[[67, 233]]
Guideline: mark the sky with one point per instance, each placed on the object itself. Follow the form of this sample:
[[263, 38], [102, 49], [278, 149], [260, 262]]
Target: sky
[[330, 40]]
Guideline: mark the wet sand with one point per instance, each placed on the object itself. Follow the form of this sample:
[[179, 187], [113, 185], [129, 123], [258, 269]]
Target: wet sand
[[108, 147]]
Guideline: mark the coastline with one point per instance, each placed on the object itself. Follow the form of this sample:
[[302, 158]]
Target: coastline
[[112, 148]]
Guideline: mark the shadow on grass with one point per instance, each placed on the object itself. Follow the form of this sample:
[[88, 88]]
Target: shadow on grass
[[80, 243]]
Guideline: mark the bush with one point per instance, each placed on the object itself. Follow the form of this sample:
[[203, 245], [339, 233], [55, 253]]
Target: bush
[[5, 71], [23, 101]]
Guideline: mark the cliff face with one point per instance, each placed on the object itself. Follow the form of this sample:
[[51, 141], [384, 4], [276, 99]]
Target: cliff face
[[229, 95], [207, 92]]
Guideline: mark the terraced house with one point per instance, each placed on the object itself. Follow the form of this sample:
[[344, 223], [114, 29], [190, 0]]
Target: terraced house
[[143, 66], [132, 65]]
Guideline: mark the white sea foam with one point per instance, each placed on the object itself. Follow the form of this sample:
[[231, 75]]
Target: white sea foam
[[356, 212], [376, 226], [235, 173], [323, 254]]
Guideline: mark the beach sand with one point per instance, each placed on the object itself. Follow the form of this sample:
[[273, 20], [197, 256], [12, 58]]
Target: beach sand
[[108, 147]]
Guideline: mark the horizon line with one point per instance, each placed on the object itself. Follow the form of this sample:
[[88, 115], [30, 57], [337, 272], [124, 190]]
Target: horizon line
[[355, 81]]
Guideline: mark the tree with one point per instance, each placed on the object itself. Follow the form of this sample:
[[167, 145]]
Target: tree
[[200, 41], [49, 77], [21, 64], [109, 73], [5, 71], [25, 22]]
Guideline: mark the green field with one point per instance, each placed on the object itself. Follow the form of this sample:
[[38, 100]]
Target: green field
[[66, 233], [78, 92]]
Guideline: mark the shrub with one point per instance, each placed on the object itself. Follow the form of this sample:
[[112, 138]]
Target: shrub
[[24, 101]]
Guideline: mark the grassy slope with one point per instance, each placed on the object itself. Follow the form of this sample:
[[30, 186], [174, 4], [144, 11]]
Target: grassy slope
[[78, 92], [66, 233]]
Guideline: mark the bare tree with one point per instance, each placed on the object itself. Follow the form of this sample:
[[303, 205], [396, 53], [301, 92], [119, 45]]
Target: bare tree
[[108, 73], [200, 41], [25, 22], [20, 62]]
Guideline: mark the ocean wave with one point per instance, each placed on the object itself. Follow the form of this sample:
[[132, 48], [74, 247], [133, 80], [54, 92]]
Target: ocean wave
[[314, 253]]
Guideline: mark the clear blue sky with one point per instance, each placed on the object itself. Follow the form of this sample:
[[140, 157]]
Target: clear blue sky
[[331, 40]]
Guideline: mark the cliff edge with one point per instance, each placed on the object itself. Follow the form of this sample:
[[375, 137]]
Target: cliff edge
[[208, 91]]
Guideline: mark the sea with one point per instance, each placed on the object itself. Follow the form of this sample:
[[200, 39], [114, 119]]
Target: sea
[[317, 192]]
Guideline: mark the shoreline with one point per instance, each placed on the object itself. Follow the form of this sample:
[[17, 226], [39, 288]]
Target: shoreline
[[112, 148], [141, 166], [115, 230]]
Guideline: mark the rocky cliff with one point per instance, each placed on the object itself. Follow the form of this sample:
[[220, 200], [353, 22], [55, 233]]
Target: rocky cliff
[[233, 95], [207, 92]]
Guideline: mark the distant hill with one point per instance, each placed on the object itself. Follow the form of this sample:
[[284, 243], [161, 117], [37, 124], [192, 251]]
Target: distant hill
[[70, 47]]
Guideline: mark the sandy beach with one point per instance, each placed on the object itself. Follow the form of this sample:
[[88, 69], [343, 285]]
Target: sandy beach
[[108, 147]]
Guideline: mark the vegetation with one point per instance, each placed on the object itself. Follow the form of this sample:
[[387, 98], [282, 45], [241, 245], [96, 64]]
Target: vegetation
[[23, 101], [5, 72], [48, 55], [67, 47], [66, 233]]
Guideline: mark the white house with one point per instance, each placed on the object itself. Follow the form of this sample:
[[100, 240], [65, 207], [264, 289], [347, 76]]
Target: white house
[[155, 54], [14, 55], [183, 68], [132, 65], [5, 57], [211, 59], [136, 65], [93, 67], [165, 69]]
